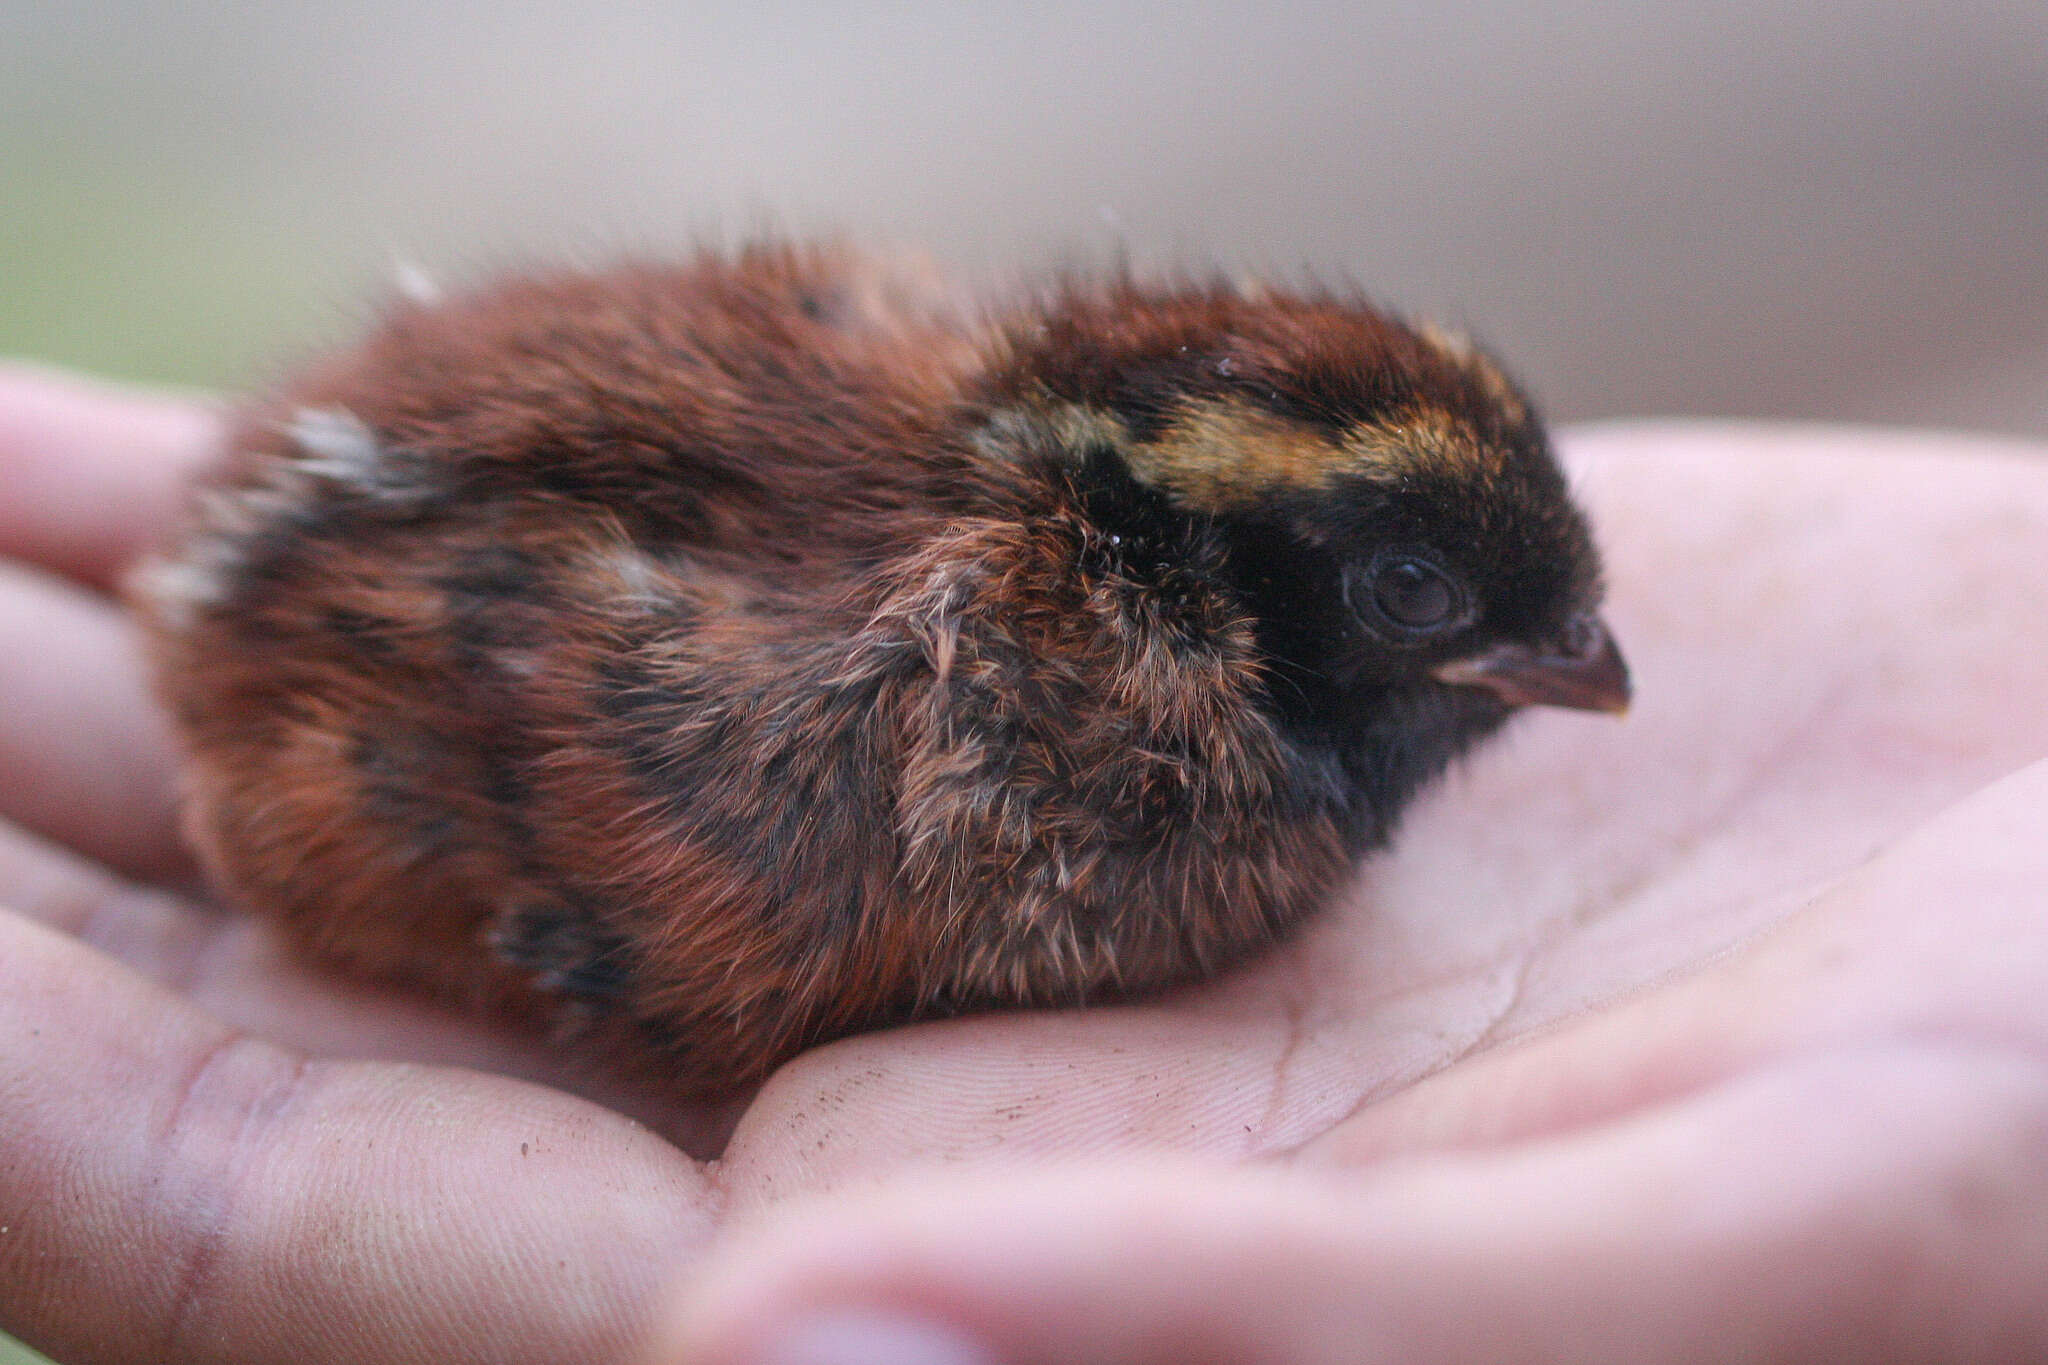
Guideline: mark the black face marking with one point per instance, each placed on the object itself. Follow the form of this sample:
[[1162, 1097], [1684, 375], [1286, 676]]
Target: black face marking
[[1147, 533], [1298, 614], [1407, 739], [1357, 590], [1174, 557]]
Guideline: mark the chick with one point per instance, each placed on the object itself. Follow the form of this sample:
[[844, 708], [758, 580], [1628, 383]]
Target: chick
[[758, 650]]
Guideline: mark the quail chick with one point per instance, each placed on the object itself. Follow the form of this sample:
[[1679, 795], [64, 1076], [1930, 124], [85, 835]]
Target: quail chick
[[756, 650]]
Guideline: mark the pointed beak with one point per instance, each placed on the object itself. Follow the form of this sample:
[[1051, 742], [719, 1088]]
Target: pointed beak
[[1585, 672]]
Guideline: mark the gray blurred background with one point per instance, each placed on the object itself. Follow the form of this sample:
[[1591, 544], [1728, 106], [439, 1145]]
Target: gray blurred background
[[1817, 208]]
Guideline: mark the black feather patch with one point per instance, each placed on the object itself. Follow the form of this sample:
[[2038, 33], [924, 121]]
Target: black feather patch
[[566, 948]]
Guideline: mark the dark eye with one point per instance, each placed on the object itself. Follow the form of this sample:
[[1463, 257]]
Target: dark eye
[[1413, 594]]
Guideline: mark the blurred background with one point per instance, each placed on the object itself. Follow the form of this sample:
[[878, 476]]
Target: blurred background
[[1830, 209], [1814, 208]]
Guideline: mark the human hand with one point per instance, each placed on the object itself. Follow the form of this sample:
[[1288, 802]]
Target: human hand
[[1830, 1146], [177, 1190]]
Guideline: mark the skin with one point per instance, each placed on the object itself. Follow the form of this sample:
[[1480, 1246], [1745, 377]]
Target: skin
[[1715, 1034]]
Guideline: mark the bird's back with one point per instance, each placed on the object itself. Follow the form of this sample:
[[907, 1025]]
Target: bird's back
[[766, 410], [408, 551]]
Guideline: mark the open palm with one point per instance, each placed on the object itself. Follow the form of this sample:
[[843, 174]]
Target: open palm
[[1786, 914]]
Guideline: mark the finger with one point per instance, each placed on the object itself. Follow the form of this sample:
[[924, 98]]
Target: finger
[[1815, 1213], [1939, 934], [172, 1191], [84, 755], [1022, 1086], [92, 473], [239, 970]]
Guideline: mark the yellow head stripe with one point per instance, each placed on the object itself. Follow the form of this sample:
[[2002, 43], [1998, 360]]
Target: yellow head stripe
[[1219, 455]]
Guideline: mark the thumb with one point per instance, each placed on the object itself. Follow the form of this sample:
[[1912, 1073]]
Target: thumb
[[1792, 1215]]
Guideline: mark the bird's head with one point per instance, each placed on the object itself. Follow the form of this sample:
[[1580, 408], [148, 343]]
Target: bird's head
[[1380, 497]]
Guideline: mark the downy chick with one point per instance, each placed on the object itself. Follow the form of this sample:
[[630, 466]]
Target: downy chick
[[760, 649]]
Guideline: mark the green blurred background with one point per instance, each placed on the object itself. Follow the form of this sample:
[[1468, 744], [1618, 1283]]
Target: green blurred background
[[1827, 209], [13, 1352]]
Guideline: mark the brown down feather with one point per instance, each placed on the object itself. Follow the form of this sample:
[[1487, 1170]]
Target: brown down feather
[[730, 655]]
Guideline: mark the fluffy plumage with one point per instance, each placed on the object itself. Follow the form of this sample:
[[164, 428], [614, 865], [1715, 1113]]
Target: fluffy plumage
[[762, 649]]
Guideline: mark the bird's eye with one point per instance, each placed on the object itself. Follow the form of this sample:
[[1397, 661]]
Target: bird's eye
[[1412, 595]]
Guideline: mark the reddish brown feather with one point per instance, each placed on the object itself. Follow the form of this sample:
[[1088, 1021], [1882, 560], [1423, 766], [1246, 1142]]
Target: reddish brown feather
[[686, 640]]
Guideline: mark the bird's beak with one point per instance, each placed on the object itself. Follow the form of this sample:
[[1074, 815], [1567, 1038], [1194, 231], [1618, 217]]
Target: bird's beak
[[1586, 674]]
